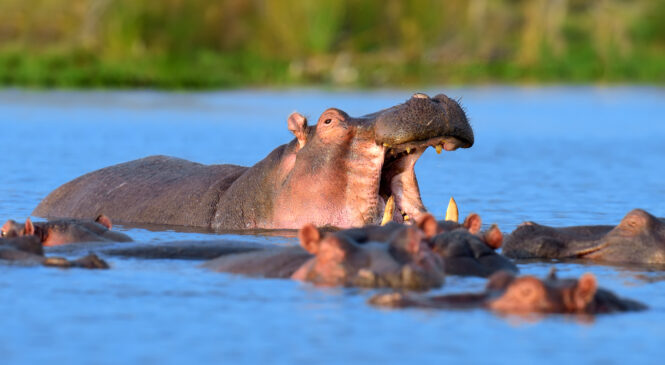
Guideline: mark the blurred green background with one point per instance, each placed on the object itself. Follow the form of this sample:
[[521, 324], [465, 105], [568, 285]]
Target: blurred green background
[[366, 43]]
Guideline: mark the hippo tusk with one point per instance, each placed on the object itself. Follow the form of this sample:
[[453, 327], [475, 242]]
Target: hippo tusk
[[389, 211], [452, 213], [438, 148]]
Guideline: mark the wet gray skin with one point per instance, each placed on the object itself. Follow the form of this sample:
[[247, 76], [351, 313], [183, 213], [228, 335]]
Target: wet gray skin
[[638, 239], [180, 250]]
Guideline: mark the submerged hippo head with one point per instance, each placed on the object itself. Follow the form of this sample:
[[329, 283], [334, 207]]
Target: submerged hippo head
[[62, 231], [464, 249], [528, 294], [470, 254], [342, 170], [406, 262], [639, 238], [508, 294]]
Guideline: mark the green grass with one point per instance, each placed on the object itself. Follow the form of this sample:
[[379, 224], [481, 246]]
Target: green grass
[[202, 44]]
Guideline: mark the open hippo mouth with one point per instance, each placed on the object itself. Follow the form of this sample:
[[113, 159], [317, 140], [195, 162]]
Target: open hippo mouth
[[398, 177], [405, 132]]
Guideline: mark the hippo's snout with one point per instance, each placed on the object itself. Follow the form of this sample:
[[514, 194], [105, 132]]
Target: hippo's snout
[[438, 120]]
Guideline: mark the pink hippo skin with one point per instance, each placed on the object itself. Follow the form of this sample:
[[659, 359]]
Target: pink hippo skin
[[63, 231], [339, 172], [508, 294]]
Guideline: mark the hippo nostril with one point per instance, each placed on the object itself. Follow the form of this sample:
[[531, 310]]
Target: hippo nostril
[[420, 96]]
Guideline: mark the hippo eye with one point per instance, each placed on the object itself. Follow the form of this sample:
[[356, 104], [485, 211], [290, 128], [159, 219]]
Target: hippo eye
[[327, 121]]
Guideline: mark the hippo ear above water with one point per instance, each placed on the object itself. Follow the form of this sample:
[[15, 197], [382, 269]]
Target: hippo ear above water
[[29, 227], [473, 223], [104, 221], [427, 223], [297, 124], [585, 290], [310, 238], [493, 237]]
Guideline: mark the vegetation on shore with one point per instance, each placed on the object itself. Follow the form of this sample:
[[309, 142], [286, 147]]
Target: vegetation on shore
[[230, 43]]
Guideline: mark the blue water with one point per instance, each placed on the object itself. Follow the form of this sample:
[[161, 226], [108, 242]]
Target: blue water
[[555, 155]]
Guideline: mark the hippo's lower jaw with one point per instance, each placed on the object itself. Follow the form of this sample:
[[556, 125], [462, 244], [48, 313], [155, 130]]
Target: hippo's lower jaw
[[398, 177]]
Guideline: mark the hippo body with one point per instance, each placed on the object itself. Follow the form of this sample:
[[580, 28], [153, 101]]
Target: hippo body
[[508, 294], [276, 262], [638, 239], [177, 250], [339, 172]]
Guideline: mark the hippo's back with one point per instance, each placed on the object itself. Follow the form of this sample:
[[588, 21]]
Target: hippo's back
[[155, 189]]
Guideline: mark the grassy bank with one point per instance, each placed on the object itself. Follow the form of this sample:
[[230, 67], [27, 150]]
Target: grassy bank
[[211, 44]]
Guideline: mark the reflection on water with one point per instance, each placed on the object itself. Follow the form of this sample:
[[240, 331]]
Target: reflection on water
[[556, 156]]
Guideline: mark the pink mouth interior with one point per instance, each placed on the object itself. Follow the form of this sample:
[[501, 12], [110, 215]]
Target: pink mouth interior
[[398, 177]]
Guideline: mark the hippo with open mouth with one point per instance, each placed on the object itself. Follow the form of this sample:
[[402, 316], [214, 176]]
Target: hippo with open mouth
[[339, 172]]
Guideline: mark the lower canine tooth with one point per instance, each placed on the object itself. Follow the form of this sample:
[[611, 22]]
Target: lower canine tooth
[[388, 212], [408, 150], [452, 213], [438, 148], [406, 217]]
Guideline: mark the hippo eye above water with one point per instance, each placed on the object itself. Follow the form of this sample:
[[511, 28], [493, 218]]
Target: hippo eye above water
[[327, 121]]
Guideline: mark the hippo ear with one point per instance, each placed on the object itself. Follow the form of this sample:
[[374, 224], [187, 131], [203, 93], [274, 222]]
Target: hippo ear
[[473, 223], [635, 221], [427, 223], [500, 280], [585, 290], [310, 238], [29, 227], [104, 221], [7, 227], [493, 237], [413, 239], [298, 126], [552, 274]]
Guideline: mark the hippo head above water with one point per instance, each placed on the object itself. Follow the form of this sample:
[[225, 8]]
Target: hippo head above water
[[342, 170], [406, 262], [338, 172]]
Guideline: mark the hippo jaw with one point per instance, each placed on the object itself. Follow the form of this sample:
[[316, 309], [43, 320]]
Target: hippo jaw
[[405, 132], [398, 176]]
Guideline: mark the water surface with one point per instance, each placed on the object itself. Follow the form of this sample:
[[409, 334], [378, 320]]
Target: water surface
[[557, 156]]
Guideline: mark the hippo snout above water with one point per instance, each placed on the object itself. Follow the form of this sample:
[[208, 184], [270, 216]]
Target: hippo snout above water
[[339, 172]]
